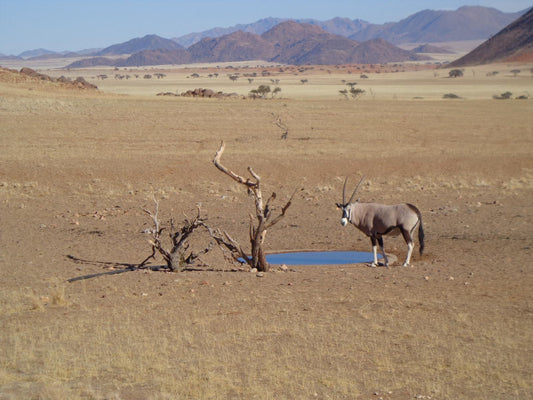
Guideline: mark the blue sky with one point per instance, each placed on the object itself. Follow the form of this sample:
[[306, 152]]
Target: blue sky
[[60, 25]]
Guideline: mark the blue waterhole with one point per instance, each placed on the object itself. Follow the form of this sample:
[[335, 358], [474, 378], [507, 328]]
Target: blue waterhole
[[320, 257]]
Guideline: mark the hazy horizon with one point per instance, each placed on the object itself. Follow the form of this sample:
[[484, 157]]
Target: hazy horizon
[[63, 25]]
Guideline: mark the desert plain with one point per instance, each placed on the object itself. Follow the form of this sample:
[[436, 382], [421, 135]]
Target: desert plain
[[77, 168]]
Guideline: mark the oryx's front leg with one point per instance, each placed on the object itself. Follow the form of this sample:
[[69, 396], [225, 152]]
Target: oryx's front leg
[[375, 241]]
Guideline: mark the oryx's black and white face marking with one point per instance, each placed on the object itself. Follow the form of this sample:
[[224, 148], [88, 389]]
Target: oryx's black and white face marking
[[345, 213]]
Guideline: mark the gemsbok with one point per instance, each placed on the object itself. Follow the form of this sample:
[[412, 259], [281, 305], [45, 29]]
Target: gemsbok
[[376, 220]]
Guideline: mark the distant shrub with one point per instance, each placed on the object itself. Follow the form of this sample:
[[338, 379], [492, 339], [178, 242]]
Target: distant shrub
[[455, 73], [451, 96], [503, 96], [353, 92]]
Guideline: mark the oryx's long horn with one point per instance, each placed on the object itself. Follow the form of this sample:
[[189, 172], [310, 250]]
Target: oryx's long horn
[[344, 191], [355, 191]]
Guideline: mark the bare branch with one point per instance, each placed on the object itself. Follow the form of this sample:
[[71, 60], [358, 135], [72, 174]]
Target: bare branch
[[230, 173], [224, 240], [283, 210]]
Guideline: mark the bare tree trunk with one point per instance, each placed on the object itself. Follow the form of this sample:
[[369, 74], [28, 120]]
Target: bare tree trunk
[[258, 255], [263, 216]]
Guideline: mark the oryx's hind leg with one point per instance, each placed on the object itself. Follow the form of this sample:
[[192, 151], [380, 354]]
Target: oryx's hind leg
[[410, 246]]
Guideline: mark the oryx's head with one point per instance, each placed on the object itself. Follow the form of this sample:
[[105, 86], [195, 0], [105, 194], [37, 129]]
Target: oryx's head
[[345, 206]]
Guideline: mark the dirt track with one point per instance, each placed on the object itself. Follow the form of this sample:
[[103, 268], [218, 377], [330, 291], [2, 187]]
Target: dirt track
[[78, 167]]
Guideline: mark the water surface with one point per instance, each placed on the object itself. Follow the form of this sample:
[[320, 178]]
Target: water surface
[[320, 257]]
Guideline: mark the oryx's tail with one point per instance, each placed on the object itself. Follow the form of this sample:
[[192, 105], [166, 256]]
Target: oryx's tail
[[420, 234], [420, 227]]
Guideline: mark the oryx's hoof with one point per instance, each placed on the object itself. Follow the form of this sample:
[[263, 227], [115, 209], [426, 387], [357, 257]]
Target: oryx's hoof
[[405, 264]]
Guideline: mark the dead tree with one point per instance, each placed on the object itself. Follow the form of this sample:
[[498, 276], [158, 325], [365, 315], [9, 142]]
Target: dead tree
[[282, 126], [263, 218], [176, 255]]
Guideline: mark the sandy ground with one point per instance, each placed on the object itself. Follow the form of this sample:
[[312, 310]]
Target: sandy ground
[[78, 167]]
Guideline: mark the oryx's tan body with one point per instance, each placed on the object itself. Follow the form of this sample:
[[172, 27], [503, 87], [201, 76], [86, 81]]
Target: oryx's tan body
[[376, 220]]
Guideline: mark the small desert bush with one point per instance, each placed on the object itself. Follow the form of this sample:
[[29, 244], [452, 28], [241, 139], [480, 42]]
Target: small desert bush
[[451, 96], [503, 96]]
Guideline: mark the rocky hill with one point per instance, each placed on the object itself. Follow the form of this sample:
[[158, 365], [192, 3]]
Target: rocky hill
[[42, 81], [297, 43], [237, 46], [513, 43], [148, 42], [465, 23], [156, 57]]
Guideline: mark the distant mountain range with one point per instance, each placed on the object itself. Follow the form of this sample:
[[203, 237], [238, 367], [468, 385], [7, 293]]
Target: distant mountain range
[[427, 26], [335, 41], [289, 42], [337, 26]]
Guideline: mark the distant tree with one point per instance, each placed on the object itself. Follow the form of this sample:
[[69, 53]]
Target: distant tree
[[233, 77], [455, 73], [515, 72], [304, 81], [353, 92], [276, 90], [250, 80], [261, 91], [356, 92]]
